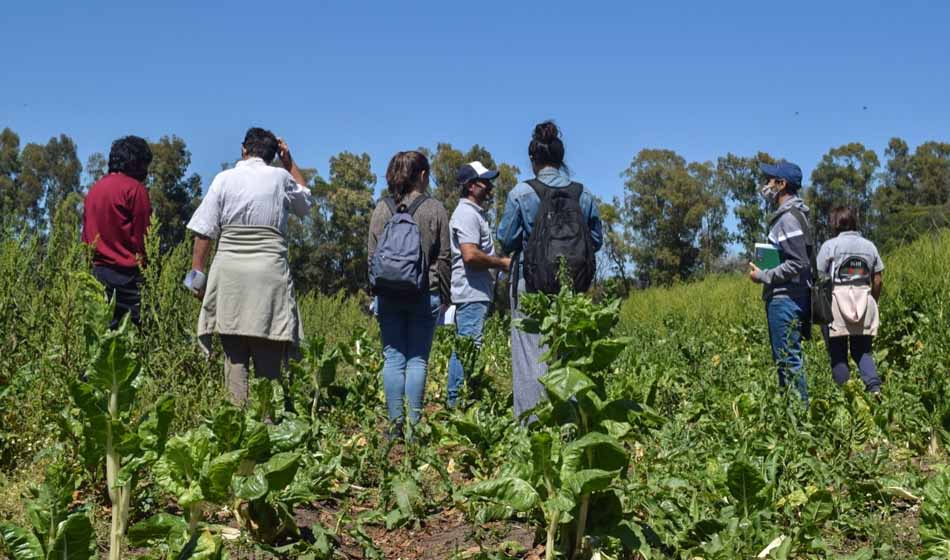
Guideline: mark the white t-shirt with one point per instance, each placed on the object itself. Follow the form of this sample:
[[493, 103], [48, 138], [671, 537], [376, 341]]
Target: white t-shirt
[[252, 193]]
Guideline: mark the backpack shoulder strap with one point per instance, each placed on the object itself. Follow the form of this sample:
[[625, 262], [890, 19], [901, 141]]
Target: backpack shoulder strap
[[417, 203], [538, 187], [391, 204], [575, 190], [803, 222]]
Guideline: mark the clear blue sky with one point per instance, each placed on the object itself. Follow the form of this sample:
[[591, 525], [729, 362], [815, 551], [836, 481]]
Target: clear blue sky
[[701, 78]]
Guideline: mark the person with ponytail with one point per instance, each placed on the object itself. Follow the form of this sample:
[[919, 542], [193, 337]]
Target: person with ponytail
[[407, 315], [546, 152]]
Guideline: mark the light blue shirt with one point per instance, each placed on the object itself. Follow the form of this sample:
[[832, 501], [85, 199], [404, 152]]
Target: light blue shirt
[[517, 221]]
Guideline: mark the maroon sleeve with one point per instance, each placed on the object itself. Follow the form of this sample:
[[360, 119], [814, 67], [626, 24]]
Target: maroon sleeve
[[141, 218]]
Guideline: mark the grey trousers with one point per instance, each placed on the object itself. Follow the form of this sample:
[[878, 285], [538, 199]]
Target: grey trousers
[[526, 364], [268, 357]]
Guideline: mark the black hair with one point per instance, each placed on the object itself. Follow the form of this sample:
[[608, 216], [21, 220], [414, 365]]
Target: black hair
[[546, 148], [130, 155], [403, 173], [260, 143], [843, 219]]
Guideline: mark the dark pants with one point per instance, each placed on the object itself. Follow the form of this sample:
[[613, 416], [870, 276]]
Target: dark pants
[[860, 353], [125, 287]]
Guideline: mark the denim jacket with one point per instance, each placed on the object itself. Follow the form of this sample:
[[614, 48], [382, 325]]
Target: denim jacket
[[517, 221]]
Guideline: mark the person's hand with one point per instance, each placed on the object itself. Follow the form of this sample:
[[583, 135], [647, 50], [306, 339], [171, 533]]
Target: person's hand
[[754, 273], [283, 152], [506, 263], [200, 294]]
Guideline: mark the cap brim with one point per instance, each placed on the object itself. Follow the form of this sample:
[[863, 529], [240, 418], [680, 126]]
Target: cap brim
[[488, 175], [770, 170]]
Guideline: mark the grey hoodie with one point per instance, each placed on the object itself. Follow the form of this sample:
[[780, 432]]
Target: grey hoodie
[[792, 277]]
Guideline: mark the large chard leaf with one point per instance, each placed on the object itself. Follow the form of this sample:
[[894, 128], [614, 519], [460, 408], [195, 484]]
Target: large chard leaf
[[161, 527], [607, 452], [114, 367], [745, 483], [513, 492], [935, 518], [74, 540], [566, 382], [20, 543]]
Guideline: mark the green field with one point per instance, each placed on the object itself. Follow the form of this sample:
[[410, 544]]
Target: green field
[[667, 434]]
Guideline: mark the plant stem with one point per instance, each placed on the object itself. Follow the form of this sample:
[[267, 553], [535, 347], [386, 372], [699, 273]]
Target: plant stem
[[552, 533], [112, 472]]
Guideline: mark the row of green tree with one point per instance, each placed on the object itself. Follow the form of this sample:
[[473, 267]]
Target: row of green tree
[[670, 223]]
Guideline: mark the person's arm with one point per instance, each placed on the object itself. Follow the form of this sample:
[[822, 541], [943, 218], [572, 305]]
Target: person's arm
[[444, 260], [141, 220], [283, 151], [510, 228], [594, 223], [474, 257], [376, 224], [877, 284]]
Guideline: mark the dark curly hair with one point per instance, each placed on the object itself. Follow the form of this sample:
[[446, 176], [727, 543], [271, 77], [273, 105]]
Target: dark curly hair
[[260, 143], [546, 148], [130, 155]]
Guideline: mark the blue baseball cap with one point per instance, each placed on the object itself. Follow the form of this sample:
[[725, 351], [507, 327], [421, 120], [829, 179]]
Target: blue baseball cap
[[475, 170], [783, 170]]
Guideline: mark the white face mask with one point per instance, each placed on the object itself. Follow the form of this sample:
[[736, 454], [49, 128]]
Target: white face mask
[[769, 192]]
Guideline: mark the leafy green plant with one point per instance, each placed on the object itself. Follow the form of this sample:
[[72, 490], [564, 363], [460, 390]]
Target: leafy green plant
[[56, 532], [935, 518], [105, 400], [576, 447]]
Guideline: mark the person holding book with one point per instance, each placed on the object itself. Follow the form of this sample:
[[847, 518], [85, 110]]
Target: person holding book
[[786, 285], [856, 269]]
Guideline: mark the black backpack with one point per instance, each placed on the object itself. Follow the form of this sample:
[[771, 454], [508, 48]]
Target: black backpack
[[560, 231], [822, 284]]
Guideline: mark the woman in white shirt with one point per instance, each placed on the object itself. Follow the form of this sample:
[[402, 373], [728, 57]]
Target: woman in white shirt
[[857, 269]]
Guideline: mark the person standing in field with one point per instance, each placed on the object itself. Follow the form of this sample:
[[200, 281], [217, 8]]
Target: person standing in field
[[856, 269], [786, 287], [409, 268], [552, 181], [473, 257], [116, 216], [248, 295]]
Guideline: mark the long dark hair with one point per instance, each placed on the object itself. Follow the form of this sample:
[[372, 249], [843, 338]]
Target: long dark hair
[[546, 148], [403, 173]]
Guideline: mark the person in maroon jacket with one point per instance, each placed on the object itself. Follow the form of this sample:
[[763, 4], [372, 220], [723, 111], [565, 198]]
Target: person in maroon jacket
[[116, 215]]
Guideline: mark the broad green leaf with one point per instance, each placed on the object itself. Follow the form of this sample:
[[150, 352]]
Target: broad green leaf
[[228, 427], [820, 506], [21, 543], [566, 382], [253, 487], [935, 517], [208, 547], [602, 354], [744, 482], [75, 539], [588, 481], [512, 492], [607, 453], [542, 463], [216, 482], [114, 367], [288, 435], [279, 470], [157, 528], [407, 494], [256, 441]]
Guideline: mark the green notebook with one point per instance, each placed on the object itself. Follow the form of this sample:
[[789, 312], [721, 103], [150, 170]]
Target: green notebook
[[766, 256]]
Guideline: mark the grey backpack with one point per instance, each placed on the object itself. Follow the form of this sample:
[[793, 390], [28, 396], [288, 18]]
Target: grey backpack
[[399, 266]]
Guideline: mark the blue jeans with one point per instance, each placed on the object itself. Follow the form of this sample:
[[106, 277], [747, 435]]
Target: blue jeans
[[786, 318], [469, 322], [407, 327]]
